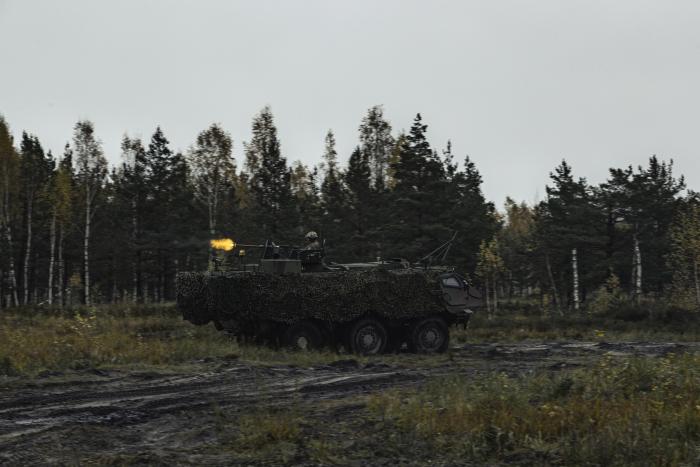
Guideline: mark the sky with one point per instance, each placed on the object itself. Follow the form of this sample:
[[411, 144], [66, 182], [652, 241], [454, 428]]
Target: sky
[[516, 85]]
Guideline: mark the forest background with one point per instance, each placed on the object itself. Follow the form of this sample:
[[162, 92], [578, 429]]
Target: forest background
[[75, 230]]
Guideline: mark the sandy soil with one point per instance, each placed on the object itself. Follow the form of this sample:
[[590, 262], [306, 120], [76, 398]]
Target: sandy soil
[[169, 416]]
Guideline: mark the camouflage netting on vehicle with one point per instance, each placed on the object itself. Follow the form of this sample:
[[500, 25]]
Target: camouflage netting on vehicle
[[331, 296]]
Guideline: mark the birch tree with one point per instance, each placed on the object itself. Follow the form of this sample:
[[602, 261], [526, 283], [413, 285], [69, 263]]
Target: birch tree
[[685, 254], [35, 170], [213, 170], [377, 144], [92, 170], [490, 267], [132, 181], [62, 206], [9, 168]]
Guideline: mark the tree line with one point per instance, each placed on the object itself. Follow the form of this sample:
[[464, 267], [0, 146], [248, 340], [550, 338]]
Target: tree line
[[75, 230]]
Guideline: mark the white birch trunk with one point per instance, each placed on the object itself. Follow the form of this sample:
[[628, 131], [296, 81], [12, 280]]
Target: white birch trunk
[[61, 268], [86, 249], [52, 256], [136, 263], [637, 270], [696, 276], [574, 266], [5, 222], [28, 252], [11, 264]]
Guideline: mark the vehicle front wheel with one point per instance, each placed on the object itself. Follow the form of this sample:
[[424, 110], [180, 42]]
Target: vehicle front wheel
[[367, 337], [429, 335], [304, 335]]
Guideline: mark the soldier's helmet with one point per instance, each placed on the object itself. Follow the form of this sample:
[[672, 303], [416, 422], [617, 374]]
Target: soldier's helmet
[[311, 236]]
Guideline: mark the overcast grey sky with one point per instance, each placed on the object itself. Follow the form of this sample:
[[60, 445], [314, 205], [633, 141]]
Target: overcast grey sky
[[517, 85]]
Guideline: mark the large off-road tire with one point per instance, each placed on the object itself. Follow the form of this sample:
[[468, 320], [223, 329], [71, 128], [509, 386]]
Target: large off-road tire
[[303, 335], [367, 337], [429, 335]]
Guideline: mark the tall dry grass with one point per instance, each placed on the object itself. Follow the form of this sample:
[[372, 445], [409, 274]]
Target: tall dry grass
[[36, 340], [635, 411]]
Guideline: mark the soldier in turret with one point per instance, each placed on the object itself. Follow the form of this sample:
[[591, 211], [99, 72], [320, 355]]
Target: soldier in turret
[[312, 242]]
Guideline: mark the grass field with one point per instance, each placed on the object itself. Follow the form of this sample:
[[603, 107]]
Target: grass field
[[634, 411], [33, 340], [457, 408]]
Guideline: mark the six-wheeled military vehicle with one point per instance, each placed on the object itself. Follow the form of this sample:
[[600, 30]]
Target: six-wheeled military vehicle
[[295, 298]]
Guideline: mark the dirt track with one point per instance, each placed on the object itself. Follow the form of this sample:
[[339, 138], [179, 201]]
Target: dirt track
[[166, 417]]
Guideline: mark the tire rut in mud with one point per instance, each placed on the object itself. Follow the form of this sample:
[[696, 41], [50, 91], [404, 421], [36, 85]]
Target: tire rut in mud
[[165, 408]]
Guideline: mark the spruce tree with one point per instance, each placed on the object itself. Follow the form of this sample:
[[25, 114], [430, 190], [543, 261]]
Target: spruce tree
[[569, 220], [35, 172], [166, 178], [465, 210], [270, 180], [358, 179], [641, 206], [334, 202], [419, 184]]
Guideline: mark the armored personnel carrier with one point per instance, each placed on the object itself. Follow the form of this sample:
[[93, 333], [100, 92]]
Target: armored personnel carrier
[[295, 298]]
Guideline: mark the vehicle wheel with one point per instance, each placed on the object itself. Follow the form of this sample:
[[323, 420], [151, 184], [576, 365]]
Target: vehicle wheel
[[429, 335], [303, 335], [367, 337]]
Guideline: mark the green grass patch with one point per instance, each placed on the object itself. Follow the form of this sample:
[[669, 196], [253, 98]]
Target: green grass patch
[[629, 322], [619, 412], [32, 341]]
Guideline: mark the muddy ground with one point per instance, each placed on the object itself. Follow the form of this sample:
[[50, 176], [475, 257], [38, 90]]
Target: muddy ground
[[187, 415]]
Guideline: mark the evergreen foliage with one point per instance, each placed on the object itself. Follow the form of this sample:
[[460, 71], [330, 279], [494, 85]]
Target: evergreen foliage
[[73, 231]]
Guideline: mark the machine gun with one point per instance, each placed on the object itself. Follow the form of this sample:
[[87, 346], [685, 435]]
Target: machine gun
[[271, 257]]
